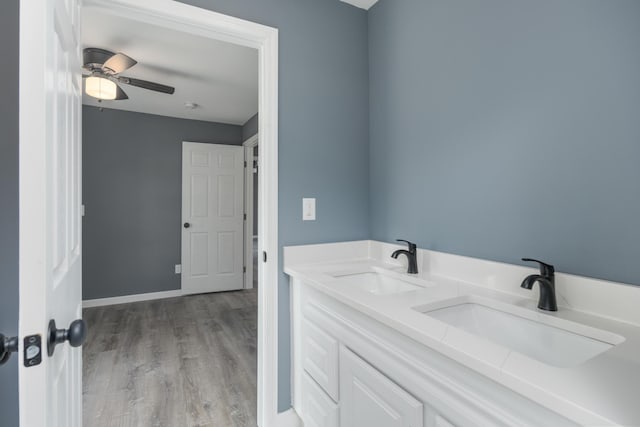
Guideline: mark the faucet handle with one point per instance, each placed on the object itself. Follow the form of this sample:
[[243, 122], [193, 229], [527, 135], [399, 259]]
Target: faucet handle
[[412, 246], [545, 269]]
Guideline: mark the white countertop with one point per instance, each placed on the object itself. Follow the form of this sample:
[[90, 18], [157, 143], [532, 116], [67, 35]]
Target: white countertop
[[604, 390]]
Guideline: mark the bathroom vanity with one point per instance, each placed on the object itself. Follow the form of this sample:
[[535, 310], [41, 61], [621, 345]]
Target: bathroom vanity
[[459, 344]]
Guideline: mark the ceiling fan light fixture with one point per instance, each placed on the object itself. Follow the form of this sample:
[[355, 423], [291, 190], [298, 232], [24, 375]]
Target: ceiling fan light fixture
[[101, 88]]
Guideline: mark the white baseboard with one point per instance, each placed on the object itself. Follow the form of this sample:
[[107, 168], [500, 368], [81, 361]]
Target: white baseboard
[[288, 418], [130, 298]]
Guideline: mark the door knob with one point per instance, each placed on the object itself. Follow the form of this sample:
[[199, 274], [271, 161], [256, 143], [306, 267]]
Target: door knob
[[8, 345], [187, 225], [76, 335]]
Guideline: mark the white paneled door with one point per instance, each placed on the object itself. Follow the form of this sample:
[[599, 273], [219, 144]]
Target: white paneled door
[[50, 213], [212, 217]]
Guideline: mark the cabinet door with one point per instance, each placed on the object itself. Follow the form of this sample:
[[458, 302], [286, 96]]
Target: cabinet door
[[368, 398]]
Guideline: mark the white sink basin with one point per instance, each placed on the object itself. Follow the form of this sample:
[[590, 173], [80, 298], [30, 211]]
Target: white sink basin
[[548, 339], [377, 283]]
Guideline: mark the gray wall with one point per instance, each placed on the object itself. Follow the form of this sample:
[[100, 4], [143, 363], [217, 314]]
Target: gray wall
[[9, 33], [250, 128], [132, 191], [504, 129], [323, 129]]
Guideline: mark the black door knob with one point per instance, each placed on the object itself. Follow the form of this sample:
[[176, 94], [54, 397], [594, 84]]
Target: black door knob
[[76, 335], [8, 345], [187, 225]]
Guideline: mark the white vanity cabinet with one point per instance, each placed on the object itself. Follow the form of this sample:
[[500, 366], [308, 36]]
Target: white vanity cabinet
[[352, 371]]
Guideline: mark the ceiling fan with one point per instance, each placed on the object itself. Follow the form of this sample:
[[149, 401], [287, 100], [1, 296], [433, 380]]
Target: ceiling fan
[[104, 69]]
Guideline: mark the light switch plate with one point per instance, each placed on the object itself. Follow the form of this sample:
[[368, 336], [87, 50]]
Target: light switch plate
[[178, 268], [309, 209]]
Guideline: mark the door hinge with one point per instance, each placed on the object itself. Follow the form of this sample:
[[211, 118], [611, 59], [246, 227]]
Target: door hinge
[[264, 256], [245, 217], [245, 163], [244, 269]]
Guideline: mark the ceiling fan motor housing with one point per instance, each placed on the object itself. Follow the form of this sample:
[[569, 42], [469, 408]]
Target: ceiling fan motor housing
[[94, 58]]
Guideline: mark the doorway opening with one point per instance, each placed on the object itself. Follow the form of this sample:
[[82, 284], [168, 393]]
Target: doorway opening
[[188, 359], [202, 23]]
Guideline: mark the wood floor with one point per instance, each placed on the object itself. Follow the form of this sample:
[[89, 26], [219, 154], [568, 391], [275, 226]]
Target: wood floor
[[188, 361]]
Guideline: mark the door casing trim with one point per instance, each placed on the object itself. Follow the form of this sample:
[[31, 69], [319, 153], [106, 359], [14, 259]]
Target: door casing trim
[[249, 145]]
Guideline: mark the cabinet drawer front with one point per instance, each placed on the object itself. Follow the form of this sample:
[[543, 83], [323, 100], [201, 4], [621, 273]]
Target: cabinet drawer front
[[320, 357], [318, 410], [368, 398]]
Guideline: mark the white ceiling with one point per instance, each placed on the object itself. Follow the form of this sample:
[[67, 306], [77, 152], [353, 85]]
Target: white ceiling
[[220, 77], [362, 4]]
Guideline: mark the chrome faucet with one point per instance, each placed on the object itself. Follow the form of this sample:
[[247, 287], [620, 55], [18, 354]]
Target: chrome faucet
[[547, 282], [411, 254]]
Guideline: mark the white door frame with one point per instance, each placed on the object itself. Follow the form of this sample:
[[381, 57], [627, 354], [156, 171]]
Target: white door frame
[[249, 145], [205, 23]]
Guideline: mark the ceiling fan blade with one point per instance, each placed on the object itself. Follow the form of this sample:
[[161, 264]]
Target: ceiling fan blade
[[118, 63], [120, 94], [147, 85]]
